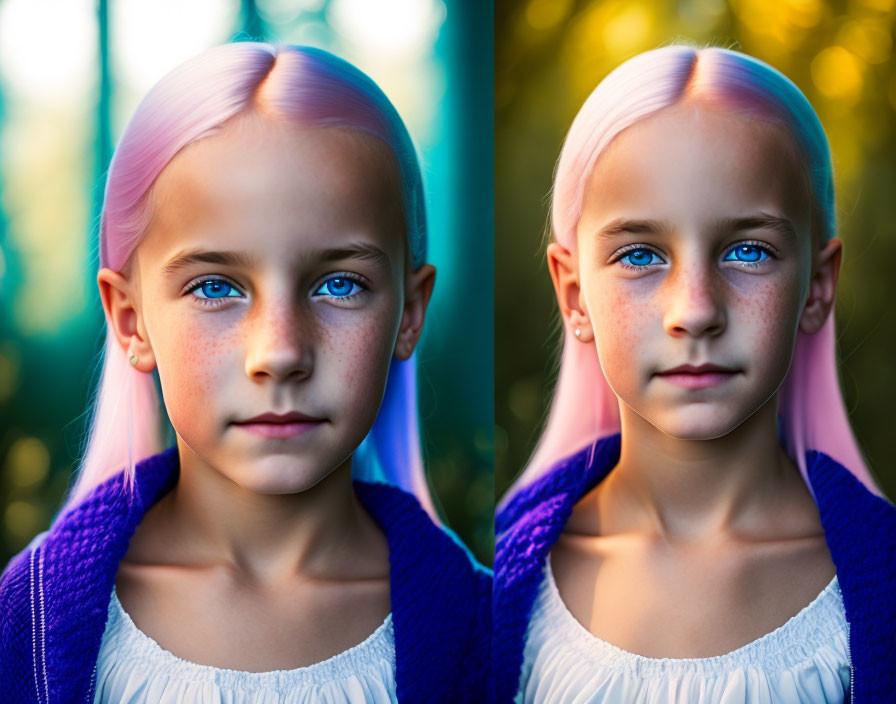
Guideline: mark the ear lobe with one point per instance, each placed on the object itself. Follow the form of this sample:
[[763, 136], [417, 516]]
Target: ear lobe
[[417, 295], [564, 269], [124, 319], [822, 287]]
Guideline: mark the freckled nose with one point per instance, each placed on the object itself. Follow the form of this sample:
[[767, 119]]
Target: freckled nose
[[694, 304], [280, 342]]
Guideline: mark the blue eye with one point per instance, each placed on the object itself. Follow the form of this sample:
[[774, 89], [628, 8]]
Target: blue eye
[[749, 253], [339, 287], [213, 289], [640, 258]]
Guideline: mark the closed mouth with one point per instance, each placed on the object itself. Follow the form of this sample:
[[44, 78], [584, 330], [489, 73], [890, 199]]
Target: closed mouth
[[698, 370], [293, 417]]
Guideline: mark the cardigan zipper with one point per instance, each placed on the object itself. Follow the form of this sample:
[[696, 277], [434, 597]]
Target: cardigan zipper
[[852, 672], [90, 689], [38, 621]]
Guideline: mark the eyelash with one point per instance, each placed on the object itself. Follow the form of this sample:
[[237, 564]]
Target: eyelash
[[629, 249], [215, 302], [345, 276], [210, 302]]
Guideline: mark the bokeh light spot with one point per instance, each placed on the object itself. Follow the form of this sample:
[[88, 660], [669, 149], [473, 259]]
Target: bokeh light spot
[[804, 13], [286, 11], [879, 5], [22, 520], [523, 399], [9, 376], [545, 14], [27, 462], [867, 39], [837, 74], [629, 30], [390, 28]]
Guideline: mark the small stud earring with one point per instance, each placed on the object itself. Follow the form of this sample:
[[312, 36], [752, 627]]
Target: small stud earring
[[133, 360], [578, 333]]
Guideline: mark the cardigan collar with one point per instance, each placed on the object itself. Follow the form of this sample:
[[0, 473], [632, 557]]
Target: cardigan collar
[[860, 529], [80, 555]]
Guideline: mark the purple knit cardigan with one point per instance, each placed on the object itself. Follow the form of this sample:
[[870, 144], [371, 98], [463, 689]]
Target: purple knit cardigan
[[859, 526], [55, 594]]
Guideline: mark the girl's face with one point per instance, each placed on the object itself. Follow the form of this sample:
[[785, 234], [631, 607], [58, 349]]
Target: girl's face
[[273, 279], [694, 248]]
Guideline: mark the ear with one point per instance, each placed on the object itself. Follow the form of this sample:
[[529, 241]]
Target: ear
[[418, 291], [564, 268], [822, 286], [124, 317]]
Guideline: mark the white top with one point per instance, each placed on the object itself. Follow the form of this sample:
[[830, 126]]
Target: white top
[[804, 661], [133, 669]]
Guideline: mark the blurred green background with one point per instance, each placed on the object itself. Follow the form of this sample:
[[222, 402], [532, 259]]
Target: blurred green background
[[550, 54], [72, 72]]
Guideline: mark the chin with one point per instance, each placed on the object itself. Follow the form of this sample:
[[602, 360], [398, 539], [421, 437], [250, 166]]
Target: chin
[[279, 480], [696, 424]]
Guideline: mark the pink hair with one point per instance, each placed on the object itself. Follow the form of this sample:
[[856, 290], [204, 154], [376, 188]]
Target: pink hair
[[810, 404], [304, 85]]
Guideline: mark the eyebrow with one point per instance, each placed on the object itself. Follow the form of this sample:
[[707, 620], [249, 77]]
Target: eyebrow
[[202, 256], [757, 221], [360, 250]]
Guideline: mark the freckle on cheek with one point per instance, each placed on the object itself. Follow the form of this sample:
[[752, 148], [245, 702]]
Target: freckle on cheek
[[767, 304], [617, 318], [193, 363]]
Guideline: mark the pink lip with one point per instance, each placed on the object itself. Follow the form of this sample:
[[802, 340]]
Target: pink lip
[[702, 376], [280, 425], [697, 381], [699, 369], [291, 417], [279, 430]]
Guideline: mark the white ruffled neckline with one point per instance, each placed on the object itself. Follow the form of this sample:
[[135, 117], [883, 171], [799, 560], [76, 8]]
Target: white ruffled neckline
[[784, 647], [804, 660], [372, 659]]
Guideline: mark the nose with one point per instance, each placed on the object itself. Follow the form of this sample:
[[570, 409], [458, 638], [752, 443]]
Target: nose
[[280, 338], [695, 304]]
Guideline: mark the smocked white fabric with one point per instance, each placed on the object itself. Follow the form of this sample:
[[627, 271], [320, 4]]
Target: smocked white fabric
[[133, 669], [804, 661]]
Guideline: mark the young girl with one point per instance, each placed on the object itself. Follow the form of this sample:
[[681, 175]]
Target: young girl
[[263, 249], [696, 524]]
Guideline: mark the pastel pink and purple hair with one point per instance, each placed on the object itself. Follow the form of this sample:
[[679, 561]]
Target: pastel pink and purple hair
[[810, 404], [308, 87]]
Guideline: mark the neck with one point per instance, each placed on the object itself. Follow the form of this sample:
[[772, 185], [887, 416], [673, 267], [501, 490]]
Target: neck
[[691, 488], [269, 537]]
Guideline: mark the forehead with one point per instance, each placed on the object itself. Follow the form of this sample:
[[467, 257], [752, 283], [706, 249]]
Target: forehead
[[691, 164], [272, 188]]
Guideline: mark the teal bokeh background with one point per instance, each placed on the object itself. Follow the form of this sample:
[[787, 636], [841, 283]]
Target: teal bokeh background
[[62, 111]]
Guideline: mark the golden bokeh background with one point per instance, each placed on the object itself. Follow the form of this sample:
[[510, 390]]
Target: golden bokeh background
[[550, 54]]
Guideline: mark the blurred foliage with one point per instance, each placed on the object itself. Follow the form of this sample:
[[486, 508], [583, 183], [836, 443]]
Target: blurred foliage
[[54, 152], [550, 54]]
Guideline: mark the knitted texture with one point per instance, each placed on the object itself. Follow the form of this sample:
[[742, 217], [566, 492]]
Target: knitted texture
[[441, 605], [525, 530], [52, 658], [860, 529], [50, 637]]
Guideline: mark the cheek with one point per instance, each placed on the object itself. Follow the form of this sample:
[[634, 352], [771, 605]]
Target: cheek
[[192, 362], [355, 351], [621, 322], [768, 314], [358, 351]]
